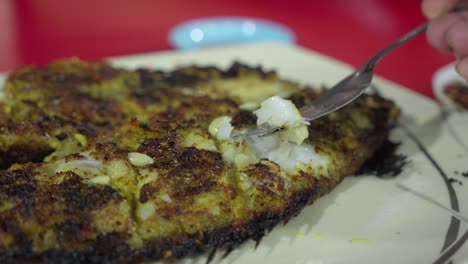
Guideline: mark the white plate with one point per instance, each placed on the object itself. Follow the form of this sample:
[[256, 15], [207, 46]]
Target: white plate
[[365, 219]]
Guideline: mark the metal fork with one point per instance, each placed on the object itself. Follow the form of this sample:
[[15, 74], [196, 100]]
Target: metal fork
[[343, 93]]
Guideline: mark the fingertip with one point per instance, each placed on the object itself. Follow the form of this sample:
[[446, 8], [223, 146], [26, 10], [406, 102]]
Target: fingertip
[[437, 30], [428, 9], [457, 38]]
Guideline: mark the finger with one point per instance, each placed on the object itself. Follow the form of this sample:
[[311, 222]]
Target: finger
[[457, 38], [435, 8], [462, 68], [437, 30]]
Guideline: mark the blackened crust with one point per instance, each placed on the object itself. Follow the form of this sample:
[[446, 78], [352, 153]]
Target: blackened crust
[[112, 248]]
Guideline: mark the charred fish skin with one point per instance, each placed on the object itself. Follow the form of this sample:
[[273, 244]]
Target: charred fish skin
[[151, 182]]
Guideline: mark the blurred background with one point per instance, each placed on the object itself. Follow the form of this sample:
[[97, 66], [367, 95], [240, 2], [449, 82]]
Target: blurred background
[[37, 31]]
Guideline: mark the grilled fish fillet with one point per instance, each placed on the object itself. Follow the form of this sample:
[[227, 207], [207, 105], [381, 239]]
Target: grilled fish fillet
[[110, 165]]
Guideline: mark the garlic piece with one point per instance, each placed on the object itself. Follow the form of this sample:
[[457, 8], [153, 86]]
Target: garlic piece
[[277, 111], [139, 159], [103, 179], [221, 127]]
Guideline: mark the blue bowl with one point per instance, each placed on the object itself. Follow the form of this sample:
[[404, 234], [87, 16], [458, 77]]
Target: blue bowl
[[227, 30]]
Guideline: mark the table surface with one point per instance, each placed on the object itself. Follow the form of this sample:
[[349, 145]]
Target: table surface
[[35, 32]]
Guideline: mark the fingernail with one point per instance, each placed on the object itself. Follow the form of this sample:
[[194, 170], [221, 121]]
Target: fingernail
[[429, 10]]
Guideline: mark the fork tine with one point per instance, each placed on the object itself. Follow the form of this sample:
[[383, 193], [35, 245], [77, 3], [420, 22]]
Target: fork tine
[[259, 131]]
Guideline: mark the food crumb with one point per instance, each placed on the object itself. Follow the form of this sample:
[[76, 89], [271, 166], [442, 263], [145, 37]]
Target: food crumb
[[359, 241], [452, 180], [319, 236], [300, 235]]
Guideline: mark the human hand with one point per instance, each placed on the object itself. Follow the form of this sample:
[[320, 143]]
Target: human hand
[[448, 31]]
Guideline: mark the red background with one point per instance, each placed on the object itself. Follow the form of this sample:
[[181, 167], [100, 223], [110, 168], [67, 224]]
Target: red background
[[35, 32]]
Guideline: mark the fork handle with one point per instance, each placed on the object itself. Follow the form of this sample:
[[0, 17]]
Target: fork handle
[[374, 60], [369, 66]]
